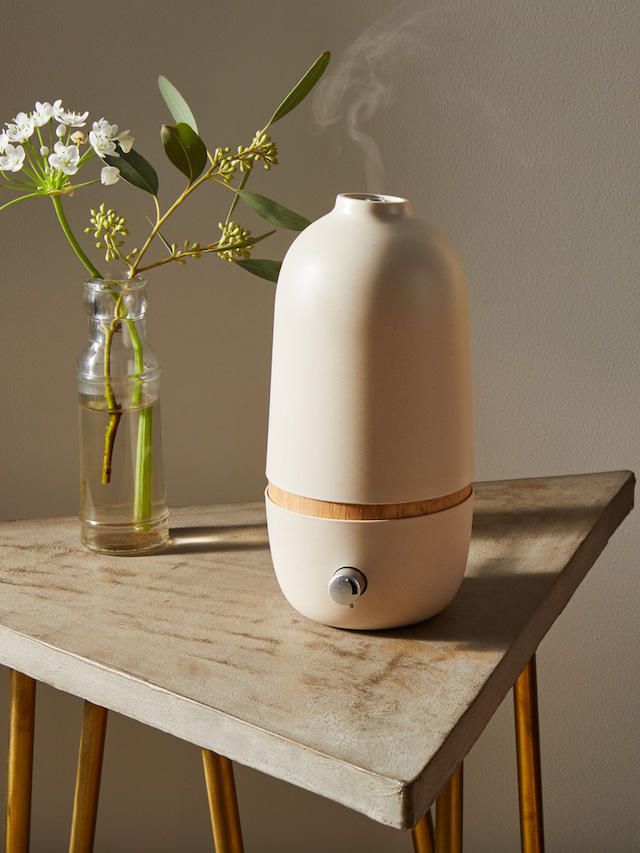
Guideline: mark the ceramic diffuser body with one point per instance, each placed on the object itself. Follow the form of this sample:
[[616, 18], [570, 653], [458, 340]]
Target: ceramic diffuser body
[[370, 450]]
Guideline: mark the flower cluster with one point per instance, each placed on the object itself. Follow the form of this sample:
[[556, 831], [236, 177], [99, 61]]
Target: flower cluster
[[104, 136], [49, 164], [107, 225], [234, 237], [224, 162], [261, 148], [190, 250]]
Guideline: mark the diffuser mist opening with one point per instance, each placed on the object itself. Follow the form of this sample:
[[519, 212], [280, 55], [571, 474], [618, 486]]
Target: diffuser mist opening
[[374, 197]]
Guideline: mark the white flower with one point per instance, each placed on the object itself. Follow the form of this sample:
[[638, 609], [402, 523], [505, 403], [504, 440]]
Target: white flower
[[21, 128], [103, 138], [4, 141], [125, 141], [68, 117], [65, 158], [12, 158], [42, 113], [109, 175]]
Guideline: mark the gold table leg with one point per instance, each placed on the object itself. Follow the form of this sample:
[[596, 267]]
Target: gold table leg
[[423, 835], [449, 816], [525, 698], [22, 705], [85, 806], [223, 803]]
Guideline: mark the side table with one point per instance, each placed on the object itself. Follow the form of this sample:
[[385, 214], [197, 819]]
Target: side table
[[197, 640]]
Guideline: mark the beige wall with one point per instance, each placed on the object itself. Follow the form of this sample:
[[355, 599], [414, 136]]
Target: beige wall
[[514, 127]]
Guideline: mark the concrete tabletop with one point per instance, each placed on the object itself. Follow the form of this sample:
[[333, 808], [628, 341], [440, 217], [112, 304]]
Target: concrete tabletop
[[198, 641]]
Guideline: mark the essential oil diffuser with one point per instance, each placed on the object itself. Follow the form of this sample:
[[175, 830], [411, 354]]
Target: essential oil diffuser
[[370, 451]]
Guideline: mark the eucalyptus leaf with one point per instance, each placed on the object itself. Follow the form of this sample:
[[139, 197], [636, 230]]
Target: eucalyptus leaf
[[262, 268], [185, 149], [135, 170], [303, 88], [236, 197], [158, 234], [274, 212], [165, 243], [178, 107]]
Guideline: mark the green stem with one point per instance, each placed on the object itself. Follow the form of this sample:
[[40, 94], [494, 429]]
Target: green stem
[[115, 412], [142, 502], [57, 203], [33, 159], [144, 471], [109, 439], [138, 359]]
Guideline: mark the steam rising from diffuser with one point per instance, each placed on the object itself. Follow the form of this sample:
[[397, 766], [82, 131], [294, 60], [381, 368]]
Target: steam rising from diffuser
[[362, 83], [434, 40]]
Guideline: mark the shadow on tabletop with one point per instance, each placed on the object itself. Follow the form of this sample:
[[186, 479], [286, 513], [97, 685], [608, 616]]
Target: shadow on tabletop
[[486, 614], [200, 540]]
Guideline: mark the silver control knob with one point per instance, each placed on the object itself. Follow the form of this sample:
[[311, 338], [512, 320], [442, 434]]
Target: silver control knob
[[347, 585]]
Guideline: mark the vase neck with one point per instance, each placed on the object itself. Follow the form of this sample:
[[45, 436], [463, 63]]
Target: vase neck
[[107, 299], [117, 345]]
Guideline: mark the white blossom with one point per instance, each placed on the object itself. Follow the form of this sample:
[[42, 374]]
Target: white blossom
[[65, 158], [42, 113], [109, 175], [21, 128], [61, 130], [68, 117], [125, 141], [4, 140], [12, 158], [103, 137]]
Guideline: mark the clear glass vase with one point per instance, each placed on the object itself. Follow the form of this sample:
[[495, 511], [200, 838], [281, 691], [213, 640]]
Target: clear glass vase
[[123, 507]]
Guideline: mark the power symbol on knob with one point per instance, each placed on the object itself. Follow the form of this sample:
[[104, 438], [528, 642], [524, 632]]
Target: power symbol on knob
[[347, 585]]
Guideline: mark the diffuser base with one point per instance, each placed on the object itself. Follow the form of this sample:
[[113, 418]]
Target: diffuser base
[[413, 566]]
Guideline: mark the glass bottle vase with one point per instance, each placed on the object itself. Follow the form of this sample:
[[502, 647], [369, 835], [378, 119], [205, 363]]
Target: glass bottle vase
[[123, 507]]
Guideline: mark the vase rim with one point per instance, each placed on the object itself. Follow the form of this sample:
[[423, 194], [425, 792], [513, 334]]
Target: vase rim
[[111, 279]]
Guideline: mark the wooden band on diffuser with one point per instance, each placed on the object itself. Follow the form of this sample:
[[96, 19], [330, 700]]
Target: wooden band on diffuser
[[364, 512]]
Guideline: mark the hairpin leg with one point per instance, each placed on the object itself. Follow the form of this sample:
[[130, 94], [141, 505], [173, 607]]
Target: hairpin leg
[[423, 835], [85, 806], [223, 803], [449, 816], [525, 696], [22, 703]]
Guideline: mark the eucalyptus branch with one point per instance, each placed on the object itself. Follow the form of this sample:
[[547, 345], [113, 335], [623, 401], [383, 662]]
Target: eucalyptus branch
[[245, 157]]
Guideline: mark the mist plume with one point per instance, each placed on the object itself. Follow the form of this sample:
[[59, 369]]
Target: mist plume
[[432, 41]]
